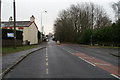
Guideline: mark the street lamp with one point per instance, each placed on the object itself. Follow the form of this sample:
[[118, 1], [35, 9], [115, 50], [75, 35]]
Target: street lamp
[[42, 25]]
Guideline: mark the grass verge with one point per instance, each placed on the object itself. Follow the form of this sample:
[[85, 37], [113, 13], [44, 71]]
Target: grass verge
[[8, 50]]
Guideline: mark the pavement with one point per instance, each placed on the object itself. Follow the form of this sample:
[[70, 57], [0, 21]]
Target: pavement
[[64, 61], [10, 60]]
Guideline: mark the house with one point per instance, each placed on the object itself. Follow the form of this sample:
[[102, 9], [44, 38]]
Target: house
[[29, 28]]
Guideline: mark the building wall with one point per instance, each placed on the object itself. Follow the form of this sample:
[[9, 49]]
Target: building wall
[[31, 34], [25, 34]]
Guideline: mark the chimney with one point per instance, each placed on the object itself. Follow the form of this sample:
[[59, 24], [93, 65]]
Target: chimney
[[32, 18], [10, 19]]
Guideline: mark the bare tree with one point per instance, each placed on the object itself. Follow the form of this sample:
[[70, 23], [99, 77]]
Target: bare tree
[[73, 21], [116, 8], [101, 18]]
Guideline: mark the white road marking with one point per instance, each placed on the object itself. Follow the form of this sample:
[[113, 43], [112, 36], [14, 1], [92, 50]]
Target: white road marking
[[46, 53], [47, 71], [80, 57], [87, 61], [6, 71], [46, 63], [65, 50], [89, 57], [46, 56], [102, 64], [115, 76], [46, 59]]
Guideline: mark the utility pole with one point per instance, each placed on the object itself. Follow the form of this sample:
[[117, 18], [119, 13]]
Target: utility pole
[[0, 32], [14, 12], [91, 37], [0, 13]]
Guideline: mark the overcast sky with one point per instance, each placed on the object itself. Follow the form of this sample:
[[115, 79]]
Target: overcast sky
[[27, 8]]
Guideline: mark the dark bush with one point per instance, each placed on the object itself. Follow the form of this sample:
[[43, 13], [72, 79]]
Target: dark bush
[[85, 37], [18, 34]]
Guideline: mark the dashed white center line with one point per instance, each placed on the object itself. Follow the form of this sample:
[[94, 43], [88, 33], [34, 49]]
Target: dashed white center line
[[46, 56], [46, 63], [46, 59], [47, 71]]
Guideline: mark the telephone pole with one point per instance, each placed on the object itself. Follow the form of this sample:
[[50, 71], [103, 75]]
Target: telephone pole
[[14, 13], [0, 13]]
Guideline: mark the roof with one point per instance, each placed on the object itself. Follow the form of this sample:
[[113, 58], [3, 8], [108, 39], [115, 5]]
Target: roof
[[18, 24]]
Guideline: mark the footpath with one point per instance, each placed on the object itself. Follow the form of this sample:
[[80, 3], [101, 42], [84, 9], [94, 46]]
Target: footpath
[[11, 60]]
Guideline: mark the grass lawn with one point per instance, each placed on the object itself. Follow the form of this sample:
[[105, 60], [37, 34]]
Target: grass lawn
[[8, 50]]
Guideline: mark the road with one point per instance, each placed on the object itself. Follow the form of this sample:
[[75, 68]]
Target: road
[[63, 61]]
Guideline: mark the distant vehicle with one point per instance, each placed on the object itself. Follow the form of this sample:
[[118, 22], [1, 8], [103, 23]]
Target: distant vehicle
[[58, 42], [46, 39]]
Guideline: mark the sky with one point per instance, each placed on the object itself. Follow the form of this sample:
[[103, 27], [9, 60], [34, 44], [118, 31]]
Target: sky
[[26, 8]]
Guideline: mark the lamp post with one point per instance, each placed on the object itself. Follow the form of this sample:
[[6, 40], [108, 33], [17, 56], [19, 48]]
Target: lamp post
[[14, 13], [42, 25]]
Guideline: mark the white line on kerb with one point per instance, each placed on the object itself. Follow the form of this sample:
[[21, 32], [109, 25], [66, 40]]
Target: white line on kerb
[[87, 61], [115, 76]]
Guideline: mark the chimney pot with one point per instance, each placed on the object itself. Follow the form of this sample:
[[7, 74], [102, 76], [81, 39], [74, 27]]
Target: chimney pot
[[10, 19], [32, 18]]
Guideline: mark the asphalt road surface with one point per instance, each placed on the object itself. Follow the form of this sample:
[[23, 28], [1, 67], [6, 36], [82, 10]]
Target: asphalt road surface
[[59, 61]]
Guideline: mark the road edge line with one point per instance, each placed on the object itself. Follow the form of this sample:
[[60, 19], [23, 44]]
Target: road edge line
[[87, 61], [115, 76]]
